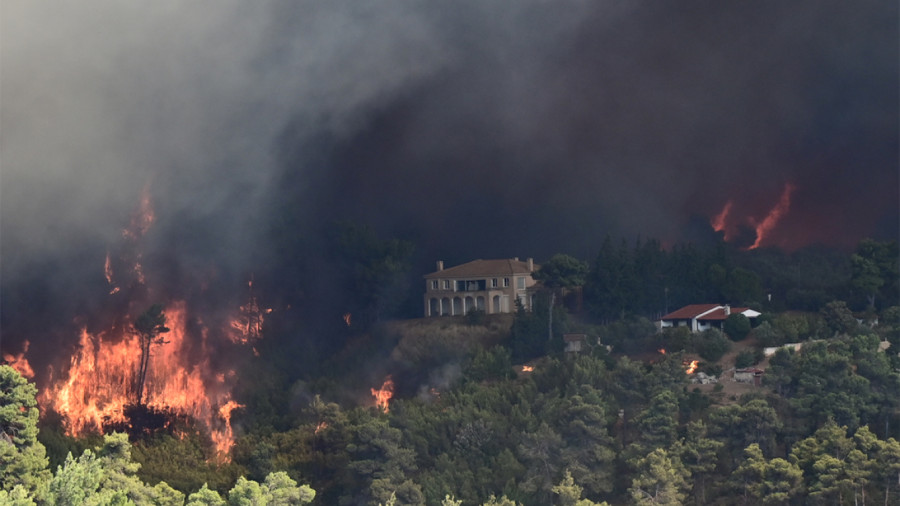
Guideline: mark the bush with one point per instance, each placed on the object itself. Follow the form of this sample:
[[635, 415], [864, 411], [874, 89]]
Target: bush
[[678, 338], [767, 335], [838, 317], [495, 363], [737, 326], [793, 327], [711, 369], [712, 344], [744, 359]]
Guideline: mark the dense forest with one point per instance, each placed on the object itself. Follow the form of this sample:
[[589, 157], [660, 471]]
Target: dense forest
[[490, 409]]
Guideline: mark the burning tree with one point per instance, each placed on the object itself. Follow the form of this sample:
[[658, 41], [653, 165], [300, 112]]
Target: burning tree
[[148, 328]]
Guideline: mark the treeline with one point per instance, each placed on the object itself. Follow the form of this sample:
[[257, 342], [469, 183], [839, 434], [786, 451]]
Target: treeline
[[624, 431], [625, 427], [645, 279], [586, 429]]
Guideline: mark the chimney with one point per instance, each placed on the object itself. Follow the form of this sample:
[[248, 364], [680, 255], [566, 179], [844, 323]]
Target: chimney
[[727, 310], [530, 264], [440, 265]]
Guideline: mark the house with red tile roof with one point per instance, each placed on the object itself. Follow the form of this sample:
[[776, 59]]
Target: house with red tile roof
[[700, 317], [491, 286]]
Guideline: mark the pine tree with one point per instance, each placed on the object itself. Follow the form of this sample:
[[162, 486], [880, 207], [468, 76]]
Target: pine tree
[[23, 460]]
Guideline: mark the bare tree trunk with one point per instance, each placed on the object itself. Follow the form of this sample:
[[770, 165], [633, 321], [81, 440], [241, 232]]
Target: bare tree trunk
[[142, 369], [550, 317]]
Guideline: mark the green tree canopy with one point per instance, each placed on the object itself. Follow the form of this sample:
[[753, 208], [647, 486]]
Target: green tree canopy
[[560, 272], [23, 460]]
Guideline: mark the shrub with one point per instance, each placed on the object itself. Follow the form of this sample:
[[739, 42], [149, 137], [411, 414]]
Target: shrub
[[712, 344], [767, 335], [736, 326], [744, 359]]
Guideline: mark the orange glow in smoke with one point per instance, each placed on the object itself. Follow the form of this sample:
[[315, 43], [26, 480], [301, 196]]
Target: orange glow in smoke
[[100, 382], [384, 394], [721, 220], [730, 226], [107, 269], [692, 366], [347, 318], [19, 362], [143, 219], [771, 220], [662, 351], [247, 326]]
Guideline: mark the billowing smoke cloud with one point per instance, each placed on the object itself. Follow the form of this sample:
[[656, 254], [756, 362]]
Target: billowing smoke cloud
[[478, 128]]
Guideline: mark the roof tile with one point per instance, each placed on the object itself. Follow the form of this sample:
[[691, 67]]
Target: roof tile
[[484, 268]]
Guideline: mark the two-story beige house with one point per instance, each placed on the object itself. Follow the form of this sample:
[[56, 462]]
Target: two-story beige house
[[491, 286]]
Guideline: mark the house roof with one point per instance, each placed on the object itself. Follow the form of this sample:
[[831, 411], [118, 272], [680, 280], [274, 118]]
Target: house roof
[[484, 268], [690, 312], [708, 312]]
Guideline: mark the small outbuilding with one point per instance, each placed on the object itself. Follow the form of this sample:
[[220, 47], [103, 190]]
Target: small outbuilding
[[575, 343], [749, 375]]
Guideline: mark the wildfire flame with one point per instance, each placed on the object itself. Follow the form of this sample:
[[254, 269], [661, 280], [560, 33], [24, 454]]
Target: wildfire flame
[[692, 367], [19, 362], [98, 385], [384, 394], [347, 318], [662, 351], [247, 326], [527, 368], [108, 272], [99, 382], [320, 427], [774, 216], [143, 219], [723, 222]]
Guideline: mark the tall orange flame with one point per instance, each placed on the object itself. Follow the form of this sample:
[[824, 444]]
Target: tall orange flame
[[97, 387], [384, 394], [720, 221], [774, 216], [99, 382]]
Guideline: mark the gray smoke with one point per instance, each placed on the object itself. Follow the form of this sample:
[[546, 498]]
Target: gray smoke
[[478, 128]]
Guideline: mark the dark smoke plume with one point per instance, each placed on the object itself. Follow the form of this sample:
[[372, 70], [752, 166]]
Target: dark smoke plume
[[476, 128]]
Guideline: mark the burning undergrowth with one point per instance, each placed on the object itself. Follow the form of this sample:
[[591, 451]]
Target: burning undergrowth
[[171, 368]]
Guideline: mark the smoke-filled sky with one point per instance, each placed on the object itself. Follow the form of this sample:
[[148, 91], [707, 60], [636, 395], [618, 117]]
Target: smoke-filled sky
[[477, 128]]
